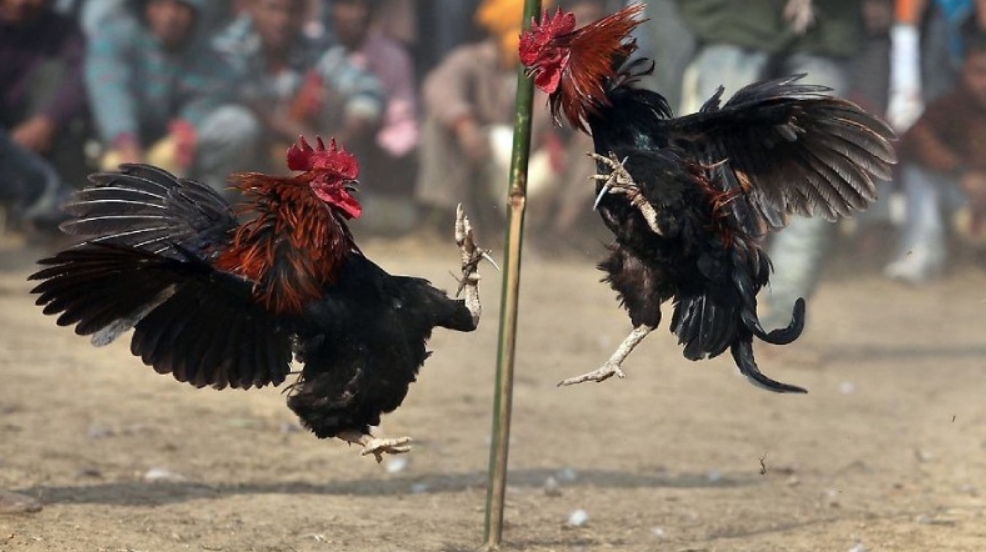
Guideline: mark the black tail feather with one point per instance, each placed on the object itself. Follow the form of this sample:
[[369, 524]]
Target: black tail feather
[[780, 336], [742, 351]]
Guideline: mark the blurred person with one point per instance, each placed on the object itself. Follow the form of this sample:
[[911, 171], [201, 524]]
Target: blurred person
[[944, 170], [161, 97], [562, 218], [442, 26], [665, 38], [41, 106], [468, 102], [93, 14], [744, 42], [391, 154], [295, 84]]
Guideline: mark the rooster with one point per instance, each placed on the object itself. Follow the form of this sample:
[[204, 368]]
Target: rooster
[[690, 199], [228, 298]]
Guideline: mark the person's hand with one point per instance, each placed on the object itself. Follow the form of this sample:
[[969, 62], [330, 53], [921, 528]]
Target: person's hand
[[308, 102], [905, 103], [973, 183], [126, 149], [185, 138], [473, 141], [800, 15], [36, 134]]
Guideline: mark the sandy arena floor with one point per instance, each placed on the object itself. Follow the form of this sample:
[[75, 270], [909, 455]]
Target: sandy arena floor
[[886, 453]]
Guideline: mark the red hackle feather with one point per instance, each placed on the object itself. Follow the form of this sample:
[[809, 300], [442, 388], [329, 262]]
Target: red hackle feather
[[596, 53], [575, 66], [285, 213]]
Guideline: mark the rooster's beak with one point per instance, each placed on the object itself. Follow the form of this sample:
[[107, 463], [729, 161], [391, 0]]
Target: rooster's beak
[[351, 186]]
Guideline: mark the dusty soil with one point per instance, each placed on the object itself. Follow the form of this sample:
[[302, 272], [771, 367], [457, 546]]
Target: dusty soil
[[887, 452]]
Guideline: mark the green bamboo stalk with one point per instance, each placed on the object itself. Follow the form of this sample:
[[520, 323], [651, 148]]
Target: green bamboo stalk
[[503, 396]]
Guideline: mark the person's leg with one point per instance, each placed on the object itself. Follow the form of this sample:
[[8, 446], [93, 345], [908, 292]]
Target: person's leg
[[228, 142], [798, 251], [671, 45], [922, 251], [29, 187]]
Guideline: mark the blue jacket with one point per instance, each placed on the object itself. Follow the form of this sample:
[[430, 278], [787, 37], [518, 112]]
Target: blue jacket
[[136, 88]]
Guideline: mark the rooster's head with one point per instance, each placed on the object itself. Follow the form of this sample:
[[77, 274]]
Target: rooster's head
[[544, 48], [331, 173], [574, 66]]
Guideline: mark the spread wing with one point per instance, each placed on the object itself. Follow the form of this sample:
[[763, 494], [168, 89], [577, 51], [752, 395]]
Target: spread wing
[[146, 266], [148, 208], [791, 148], [189, 320]]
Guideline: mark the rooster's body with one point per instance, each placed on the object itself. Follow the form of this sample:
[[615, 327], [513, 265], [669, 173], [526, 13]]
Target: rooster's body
[[217, 301], [689, 199]]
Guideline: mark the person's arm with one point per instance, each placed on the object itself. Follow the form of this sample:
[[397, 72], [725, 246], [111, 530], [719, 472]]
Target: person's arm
[[446, 95], [361, 93], [108, 74], [400, 132], [38, 132], [926, 144], [905, 103], [69, 100]]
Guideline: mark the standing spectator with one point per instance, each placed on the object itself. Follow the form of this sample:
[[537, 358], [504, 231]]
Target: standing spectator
[[391, 164], [743, 42], [295, 84], [945, 169], [159, 96], [41, 105], [665, 38]]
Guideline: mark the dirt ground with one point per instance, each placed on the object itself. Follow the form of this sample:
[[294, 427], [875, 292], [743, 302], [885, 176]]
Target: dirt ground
[[886, 452]]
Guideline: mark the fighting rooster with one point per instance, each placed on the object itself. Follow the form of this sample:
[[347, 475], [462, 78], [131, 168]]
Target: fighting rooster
[[689, 199], [216, 299]]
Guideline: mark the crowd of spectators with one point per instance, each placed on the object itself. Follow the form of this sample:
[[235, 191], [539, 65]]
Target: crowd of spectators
[[423, 90]]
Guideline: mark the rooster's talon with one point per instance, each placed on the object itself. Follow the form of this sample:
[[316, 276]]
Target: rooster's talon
[[602, 374]]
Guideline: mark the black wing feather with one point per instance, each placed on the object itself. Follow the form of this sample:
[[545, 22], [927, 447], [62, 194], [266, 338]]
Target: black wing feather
[[797, 149], [180, 311], [148, 208]]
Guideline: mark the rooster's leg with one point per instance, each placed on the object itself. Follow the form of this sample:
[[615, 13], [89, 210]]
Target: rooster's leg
[[619, 181], [376, 447], [612, 366], [471, 256]]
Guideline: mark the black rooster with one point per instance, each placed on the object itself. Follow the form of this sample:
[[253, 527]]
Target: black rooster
[[216, 301], [690, 199]]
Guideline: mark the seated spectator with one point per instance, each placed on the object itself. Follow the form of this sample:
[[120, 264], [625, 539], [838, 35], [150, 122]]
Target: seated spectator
[[159, 96], [92, 15], [944, 170], [391, 164], [469, 103], [41, 106], [293, 83]]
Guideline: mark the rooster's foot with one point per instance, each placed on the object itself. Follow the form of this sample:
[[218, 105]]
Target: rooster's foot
[[612, 366], [607, 371], [376, 446], [619, 181], [471, 256]]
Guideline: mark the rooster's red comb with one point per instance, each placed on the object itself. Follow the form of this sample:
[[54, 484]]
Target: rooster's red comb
[[534, 40], [303, 157]]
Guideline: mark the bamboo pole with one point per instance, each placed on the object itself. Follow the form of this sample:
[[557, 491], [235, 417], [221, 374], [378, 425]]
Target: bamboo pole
[[503, 396]]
